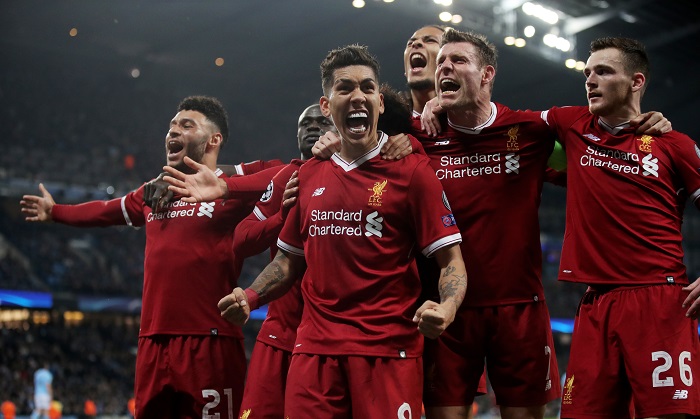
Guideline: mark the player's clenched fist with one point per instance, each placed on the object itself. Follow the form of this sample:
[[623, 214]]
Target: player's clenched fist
[[234, 307], [433, 318]]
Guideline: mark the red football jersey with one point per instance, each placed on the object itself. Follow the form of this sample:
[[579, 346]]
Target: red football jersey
[[258, 232], [625, 202], [359, 226], [493, 176], [188, 264]]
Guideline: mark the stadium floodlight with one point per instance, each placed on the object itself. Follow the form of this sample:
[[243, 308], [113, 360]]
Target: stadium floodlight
[[509, 40], [520, 42], [358, 4], [570, 63], [547, 15], [456, 19], [529, 31], [445, 16]]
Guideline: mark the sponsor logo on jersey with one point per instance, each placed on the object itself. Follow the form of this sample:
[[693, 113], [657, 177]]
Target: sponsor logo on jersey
[[448, 220], [318, 192], [268, 193], [670, 279], [650, 165], [512, 163], [445, 142], [206, 209], [680, 395], [512, 143], [591, 137], [568, 396], [645, 143], [377, 190], [374, 224]]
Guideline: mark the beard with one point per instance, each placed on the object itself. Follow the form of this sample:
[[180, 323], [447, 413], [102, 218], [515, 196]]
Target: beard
[[424, 84]]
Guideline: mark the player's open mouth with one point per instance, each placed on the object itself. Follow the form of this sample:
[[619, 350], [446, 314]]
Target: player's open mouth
[[448, 86], [357, 122], [174, 147], [418, 61]]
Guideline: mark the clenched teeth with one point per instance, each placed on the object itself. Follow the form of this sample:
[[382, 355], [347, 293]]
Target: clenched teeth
[[449, 85]]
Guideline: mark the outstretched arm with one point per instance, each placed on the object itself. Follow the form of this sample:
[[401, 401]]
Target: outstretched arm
[[38, 208], [433, 318], [273, 282]]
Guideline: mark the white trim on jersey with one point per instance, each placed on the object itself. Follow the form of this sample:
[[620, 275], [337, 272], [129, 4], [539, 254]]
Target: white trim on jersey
[[239, 169], [218, 172], [357, 162], [476, 130], [259, 214], [290, 249], [440, 243], [614, 130], [124, 212], [416, 114]]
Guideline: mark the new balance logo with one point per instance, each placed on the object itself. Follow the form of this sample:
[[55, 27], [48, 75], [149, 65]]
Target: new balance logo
[[206, 209], [446, 142], [680, 395], [650, 165], [512, 163], [591, 137], [374, 225], [318, 192]]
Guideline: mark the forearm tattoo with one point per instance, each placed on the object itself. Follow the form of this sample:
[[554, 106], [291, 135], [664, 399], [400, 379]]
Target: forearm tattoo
[[452, 284], [270, 282]]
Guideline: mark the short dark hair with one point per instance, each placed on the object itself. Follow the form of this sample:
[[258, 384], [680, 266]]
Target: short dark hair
[[488, 54], [634, 54], [396, 118], [211, 108], [345, 57]]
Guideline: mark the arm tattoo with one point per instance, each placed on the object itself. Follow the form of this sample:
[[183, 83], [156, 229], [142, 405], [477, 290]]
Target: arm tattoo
[[273, 281], [452, 285]]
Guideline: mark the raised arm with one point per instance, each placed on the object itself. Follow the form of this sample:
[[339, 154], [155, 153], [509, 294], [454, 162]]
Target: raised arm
[[433, 318]]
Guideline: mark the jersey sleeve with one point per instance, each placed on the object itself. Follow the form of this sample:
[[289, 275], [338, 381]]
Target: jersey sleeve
[[259, 230], [686, 157], [127, 210], [250, 186], [433, 220], [290, 237]]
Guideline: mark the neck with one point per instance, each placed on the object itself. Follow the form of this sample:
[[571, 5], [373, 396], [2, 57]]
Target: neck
[[210, 160], [473, 115], [352, 150], [622, 114], [420, 98]]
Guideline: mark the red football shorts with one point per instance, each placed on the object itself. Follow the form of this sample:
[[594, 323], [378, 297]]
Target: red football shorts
[[336, 387], [264, 388], [516, 342], [633, 345], [189, 376]]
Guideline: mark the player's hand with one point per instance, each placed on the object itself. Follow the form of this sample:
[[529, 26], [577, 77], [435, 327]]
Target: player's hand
[[234, 307], [289, 197], [156, 193], [692, 301], [433, 318], [397, 147], [429, 121], [37, 208], [651, 123], [201, 186], [326, 146]]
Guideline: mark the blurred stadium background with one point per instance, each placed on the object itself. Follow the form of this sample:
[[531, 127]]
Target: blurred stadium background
[[87, 90]]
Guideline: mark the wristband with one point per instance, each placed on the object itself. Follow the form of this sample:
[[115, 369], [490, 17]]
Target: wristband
[[253, 298]]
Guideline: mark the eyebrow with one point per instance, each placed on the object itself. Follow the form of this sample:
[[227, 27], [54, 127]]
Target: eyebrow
[[363, 81]]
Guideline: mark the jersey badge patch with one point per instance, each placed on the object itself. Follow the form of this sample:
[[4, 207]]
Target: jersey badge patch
[[448, 220], [377, 190], [645, 143], [568, 397], [512, 143]]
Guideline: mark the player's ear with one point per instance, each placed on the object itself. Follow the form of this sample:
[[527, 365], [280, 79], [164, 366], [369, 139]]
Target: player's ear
[[325, 105], [215, 140], [638, 81]]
